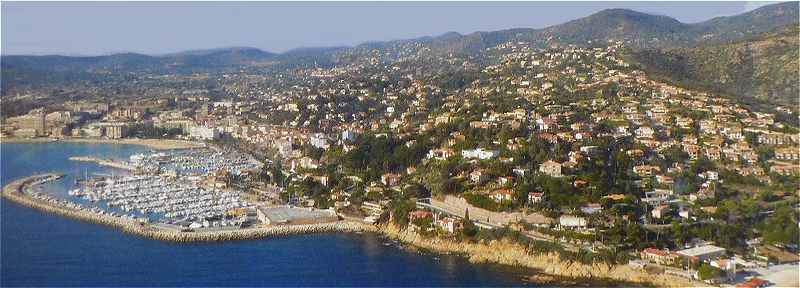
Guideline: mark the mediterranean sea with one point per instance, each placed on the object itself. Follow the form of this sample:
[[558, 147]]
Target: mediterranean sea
[[39, 249]]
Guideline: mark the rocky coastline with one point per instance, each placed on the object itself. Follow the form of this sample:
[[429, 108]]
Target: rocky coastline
[[547, 268]]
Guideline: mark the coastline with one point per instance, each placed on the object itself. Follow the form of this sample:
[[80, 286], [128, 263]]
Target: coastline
[[549, 268], [546, 268], [13, 192], [158, 144]]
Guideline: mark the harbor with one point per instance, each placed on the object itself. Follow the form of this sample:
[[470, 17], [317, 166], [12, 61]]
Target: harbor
[[180, 189], [19, 191], [176, 195], [160, 195]]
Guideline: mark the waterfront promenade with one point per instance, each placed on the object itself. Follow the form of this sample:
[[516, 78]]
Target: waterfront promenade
[[15, 191]]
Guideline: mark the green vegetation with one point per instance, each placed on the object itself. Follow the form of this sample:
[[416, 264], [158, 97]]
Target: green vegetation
[[781, 227], [707, 272], [760, 69]]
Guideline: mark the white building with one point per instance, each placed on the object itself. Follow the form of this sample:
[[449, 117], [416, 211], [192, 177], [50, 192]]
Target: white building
[[551, 168], [703, 253], [570, 221], [203, 133], [479, 153], [319, 140], [348, 135]]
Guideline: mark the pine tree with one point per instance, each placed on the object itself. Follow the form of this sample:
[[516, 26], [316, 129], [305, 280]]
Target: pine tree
[[469, 228]]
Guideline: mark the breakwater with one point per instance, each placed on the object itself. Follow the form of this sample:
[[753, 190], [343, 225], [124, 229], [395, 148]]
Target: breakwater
[[14, 191], [103, 162]]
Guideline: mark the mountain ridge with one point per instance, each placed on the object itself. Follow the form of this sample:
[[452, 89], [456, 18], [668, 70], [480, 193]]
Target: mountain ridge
[[783, 10], [639, 31]]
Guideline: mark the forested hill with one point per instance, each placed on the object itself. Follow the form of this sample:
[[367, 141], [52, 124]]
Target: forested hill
[[764, 68]]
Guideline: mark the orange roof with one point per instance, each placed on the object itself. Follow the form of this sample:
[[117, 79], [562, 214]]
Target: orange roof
[[503, 191], [655, 251], [752, 283], [420, 214]]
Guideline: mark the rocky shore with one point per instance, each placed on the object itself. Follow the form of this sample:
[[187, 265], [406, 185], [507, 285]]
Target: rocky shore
[[547, 268], [13, 192]]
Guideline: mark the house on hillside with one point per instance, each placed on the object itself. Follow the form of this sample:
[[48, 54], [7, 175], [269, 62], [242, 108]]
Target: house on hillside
[[550, 168], [501, 195]]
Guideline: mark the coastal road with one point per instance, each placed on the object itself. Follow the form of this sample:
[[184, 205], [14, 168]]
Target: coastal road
[[493, 220]]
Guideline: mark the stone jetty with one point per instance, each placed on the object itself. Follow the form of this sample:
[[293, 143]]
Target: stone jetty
[[14, 191], [103, 162]]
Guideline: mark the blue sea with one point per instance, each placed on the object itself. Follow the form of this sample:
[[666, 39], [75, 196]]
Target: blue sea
[[44, 250]]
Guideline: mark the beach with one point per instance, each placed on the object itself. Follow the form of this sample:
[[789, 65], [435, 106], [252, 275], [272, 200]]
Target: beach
[[159, 144]]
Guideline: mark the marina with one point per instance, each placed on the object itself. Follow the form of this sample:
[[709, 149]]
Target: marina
[[179, 187], [164, 194], [172, 199], [194, 162]]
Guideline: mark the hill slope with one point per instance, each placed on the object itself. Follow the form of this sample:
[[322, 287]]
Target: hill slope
[[764, 68]]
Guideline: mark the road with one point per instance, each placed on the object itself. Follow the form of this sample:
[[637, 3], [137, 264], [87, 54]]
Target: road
[[492, 220]]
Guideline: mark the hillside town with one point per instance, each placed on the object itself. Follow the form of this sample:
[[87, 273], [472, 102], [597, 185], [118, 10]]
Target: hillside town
[[568, 149]]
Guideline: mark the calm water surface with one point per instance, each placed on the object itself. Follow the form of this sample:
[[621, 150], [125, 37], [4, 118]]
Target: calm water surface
[[45, 250]]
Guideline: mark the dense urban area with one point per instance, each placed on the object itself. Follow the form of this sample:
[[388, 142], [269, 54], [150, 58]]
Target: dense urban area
[[569, 148]]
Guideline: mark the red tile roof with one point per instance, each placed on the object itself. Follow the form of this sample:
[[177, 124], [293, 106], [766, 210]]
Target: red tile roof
[[752, 283]]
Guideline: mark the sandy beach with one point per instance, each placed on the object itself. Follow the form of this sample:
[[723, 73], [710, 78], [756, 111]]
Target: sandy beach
[[159, 144]]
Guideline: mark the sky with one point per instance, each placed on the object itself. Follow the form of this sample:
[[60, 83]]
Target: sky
[[100, 28]]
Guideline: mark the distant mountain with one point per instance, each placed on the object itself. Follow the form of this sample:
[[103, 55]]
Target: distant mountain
[[34, 71], [638, 30], [732, 28], [218, 57], [223, 50], [620, 24], [196, 59], [762, 68]]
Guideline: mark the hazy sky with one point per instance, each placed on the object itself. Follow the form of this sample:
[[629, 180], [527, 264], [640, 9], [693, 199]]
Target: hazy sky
[[92, 28]]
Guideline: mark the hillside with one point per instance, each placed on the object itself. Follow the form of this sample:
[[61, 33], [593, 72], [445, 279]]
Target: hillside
[[764, 68], [638, 31]]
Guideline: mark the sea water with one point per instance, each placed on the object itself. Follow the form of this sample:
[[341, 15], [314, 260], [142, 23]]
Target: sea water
[[40, 249]]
